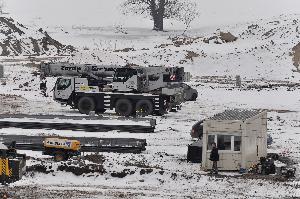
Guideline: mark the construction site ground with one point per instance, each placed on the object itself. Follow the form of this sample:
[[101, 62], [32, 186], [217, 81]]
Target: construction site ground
[[261, 56], [162, 171]]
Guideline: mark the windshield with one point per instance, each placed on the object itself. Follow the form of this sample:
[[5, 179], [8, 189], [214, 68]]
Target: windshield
[[63, 84]]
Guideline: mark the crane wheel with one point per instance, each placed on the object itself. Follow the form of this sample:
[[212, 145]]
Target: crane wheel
[[86, 105], [124, 107], [144, 108]]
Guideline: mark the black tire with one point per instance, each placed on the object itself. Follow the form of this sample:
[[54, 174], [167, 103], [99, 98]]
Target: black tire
[[59, 156], [144, 107], [194, 97], [124, 107], [86, 105]]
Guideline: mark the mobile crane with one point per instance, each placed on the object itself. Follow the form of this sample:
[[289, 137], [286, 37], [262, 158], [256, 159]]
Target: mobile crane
[[129, 90]]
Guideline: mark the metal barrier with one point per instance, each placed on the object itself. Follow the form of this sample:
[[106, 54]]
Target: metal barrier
[[91, 127]]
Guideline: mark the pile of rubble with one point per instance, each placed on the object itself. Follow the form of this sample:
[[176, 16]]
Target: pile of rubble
[[220, 38], [91, 164], [16, 39]]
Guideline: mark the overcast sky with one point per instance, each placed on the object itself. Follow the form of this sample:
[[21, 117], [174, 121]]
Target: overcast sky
[[107, 12]]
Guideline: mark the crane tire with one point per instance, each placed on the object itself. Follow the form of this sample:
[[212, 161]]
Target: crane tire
[[86, 105], [124, 107], [144, 107]]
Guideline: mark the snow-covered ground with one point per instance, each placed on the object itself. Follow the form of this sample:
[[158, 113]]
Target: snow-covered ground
[[261, 56], [170, 176]]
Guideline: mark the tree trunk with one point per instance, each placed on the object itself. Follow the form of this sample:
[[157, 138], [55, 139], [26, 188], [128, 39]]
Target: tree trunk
[[158, 23], [157, 12]]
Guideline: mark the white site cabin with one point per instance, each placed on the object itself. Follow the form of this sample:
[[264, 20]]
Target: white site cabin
[[240, 135]]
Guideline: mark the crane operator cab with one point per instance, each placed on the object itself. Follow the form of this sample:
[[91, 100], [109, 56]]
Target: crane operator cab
[[126, 80], [64, 87]]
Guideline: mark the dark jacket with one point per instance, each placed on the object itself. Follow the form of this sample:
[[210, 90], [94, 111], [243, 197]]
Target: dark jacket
[[214, 155]]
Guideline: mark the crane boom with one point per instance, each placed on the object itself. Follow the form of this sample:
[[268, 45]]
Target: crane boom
[[69, 69]]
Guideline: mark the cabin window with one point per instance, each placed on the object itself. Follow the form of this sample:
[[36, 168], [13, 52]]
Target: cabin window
[[237, 143], [211, 139], [224, 142], [63, 84]]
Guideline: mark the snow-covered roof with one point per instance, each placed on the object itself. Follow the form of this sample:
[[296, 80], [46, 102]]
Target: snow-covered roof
[[236, 114]]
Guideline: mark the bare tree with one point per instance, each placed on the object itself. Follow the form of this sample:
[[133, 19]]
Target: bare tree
[[159, 10], [187, 14]]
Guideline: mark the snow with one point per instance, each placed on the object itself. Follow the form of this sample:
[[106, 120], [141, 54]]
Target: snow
[[2, 146], [167, 149], [259, 59]]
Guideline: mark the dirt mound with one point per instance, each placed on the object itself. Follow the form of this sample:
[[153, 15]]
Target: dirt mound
[[122, 174], [227, 37], [125, 50], [76, 166], [16, 39], [219, 38], [40, 168], [82, 169], [180, 41], [99, 159], [296, 56], [8, 26]]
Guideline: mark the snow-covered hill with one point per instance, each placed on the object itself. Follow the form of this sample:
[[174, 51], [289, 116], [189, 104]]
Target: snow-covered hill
[[16, 39], [262, 49]]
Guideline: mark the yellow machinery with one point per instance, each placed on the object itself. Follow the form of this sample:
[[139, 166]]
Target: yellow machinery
[[61, 148], [12, 164], [5, 169]]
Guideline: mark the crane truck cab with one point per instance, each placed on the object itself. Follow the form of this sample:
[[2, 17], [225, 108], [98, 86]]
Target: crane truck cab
[[62, 149], [63, 89]]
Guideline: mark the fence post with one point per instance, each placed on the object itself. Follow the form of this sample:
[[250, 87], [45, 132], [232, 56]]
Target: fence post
[[1, 71], [238, 81]]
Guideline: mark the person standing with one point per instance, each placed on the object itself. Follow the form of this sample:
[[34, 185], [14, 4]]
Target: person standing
[[43, 87], [214, 157]]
